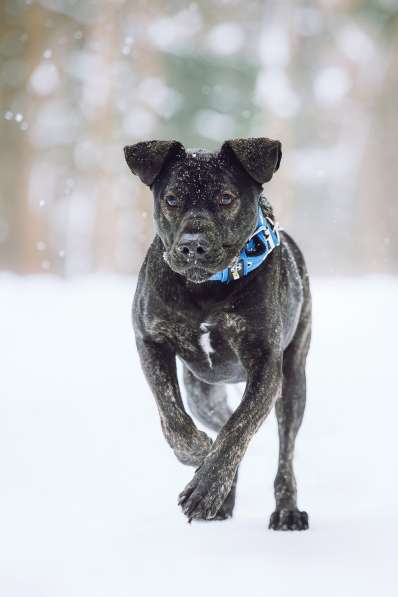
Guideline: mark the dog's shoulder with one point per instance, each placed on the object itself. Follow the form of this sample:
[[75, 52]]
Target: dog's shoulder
[[292, 258], [157, 291]]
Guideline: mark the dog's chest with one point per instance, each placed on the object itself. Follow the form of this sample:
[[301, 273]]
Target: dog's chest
[[205, 341], [207, 344]]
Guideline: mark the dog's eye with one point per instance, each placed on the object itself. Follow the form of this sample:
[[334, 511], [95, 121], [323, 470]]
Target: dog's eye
[[226, 199], [171, 200]]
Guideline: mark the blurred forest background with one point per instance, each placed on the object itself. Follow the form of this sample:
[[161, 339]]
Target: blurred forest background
[[80, 79]]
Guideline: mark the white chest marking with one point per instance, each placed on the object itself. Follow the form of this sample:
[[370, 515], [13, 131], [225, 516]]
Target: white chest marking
[[204, 341]]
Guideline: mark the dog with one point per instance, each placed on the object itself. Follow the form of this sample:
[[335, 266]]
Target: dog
[[227, 292]]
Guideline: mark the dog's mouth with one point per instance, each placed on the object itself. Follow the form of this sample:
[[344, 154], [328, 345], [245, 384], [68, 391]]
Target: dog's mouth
[[198, 271], [197, 274]]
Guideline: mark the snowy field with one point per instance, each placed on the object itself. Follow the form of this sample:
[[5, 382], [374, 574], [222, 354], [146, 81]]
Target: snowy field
[[88, 486]]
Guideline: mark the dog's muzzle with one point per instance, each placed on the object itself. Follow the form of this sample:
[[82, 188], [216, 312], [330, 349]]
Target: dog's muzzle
[[194, 256], [193, 248]]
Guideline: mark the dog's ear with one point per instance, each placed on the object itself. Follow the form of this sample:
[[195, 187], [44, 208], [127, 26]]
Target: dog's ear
[[259, 156], [147, 158]]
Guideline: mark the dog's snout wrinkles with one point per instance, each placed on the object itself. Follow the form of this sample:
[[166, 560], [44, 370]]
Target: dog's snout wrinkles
[[193, 247]]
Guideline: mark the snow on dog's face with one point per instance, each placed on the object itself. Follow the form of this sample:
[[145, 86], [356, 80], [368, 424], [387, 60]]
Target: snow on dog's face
[[205, 203]]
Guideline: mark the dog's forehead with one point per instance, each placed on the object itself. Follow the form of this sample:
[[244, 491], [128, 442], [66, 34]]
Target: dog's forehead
[[199, 168], [202, 154]]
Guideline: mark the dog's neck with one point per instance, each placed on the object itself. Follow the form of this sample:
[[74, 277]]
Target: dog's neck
[[255, 251]]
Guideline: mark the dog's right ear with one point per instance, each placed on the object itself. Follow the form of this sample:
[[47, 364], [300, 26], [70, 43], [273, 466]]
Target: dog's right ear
[[147, 158], [259, 156]]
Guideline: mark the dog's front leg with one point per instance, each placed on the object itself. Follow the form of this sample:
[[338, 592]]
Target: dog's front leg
[[190, 445], [204, 495]]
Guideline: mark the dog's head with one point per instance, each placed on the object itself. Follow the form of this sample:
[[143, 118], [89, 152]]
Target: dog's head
[[206, 204]]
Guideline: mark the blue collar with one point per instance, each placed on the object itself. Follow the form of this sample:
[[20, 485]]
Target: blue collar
[[261, 243]]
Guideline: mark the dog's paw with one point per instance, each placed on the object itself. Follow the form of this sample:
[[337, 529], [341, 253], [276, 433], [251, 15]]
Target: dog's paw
[[288, 520], [203, 497], [224, 513]]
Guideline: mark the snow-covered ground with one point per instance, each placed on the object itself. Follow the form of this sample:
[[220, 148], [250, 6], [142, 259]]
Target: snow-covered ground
[[88, 486]]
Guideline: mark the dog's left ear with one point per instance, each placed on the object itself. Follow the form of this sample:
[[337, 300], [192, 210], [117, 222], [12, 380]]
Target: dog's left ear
[[147, 158], [259, 156]]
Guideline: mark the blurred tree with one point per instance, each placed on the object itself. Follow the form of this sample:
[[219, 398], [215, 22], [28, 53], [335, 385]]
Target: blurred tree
[[81, 80]]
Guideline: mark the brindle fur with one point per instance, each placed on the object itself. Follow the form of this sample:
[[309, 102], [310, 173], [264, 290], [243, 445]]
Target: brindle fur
[[258, 327]]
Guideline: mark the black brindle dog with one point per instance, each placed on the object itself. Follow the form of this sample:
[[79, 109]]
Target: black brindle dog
[[254, 329]]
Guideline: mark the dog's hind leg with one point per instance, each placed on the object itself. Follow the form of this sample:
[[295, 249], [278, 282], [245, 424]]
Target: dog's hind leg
[[208, 404], [289, 412]]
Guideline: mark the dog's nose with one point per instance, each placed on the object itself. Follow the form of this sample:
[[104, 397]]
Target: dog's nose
[[193, 247]]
